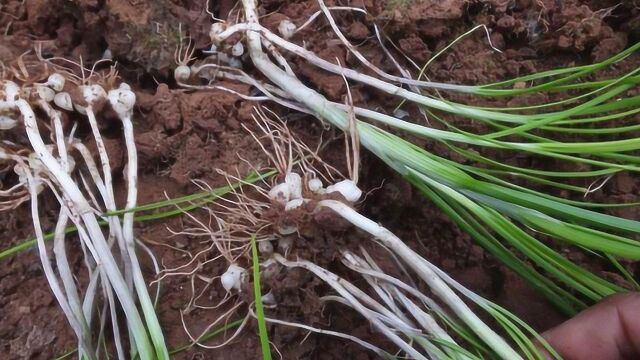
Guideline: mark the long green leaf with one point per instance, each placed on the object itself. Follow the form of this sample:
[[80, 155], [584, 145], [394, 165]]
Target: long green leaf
[[257, 293]]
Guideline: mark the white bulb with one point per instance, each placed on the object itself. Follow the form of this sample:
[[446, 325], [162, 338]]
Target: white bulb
[[315, 185], [237, 49], [63, 100], [280, 193], [122, 100], [294, 181], [12, 91], [269, 299], [107, 54], [182, 73], [232, 278], [347, 188], [293, 204], [93, 93], [286, 28], [7, 123], [56, 81], [228, 281], [265, 247], [45, 93]]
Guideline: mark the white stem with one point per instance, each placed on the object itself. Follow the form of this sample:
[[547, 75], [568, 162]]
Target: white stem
[[333, 281], [392, 285], [318, 13], [395, 320], [420, 130], [110, 203], [350, 46], [427, 322], [58, 132], [92, 167], [72, 317], [132, 185], [115, 327], [333, 68], [156, 268], [115, 228], [98, 278], [50, 162], [391, 323], [103, 323], [278, 56], [291, 85], [89, 299], [67, 278], [411, 289], [80, 206], [383, 354], [437, 285], [127, 223], [59, 249], [387, 298]]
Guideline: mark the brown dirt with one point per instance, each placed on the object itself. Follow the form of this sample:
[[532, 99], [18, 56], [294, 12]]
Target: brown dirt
[[183, 136]]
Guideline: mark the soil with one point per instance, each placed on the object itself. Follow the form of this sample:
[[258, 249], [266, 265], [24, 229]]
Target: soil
[[184, 136]]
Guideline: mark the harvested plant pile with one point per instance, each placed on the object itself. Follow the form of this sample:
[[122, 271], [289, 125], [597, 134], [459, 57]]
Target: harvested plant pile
[[522, 165]]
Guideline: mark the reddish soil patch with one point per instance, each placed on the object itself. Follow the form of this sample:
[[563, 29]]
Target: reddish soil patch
[[182, 136]]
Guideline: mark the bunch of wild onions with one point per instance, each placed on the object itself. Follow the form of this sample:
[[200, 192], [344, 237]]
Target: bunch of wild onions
[[507, 218], [61, 163], [277, 218]]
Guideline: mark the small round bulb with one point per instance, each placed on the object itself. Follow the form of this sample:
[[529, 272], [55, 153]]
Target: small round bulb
[[63, 101], [293, 204], [122, 100], [295, 185], [182, 73], [237, 49], [93, 93], [7, 123], [232, 278], [315, 185], [347, 188], [45, 93], [11, 91], [280, 193], [56, 81], [287, 29]]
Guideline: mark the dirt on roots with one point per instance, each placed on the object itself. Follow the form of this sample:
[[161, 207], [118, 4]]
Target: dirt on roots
[[182, 136]]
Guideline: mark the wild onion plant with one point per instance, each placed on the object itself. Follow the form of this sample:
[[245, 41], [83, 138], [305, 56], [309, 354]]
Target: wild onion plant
[[276, 218], [53, 158], [507, 218]]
